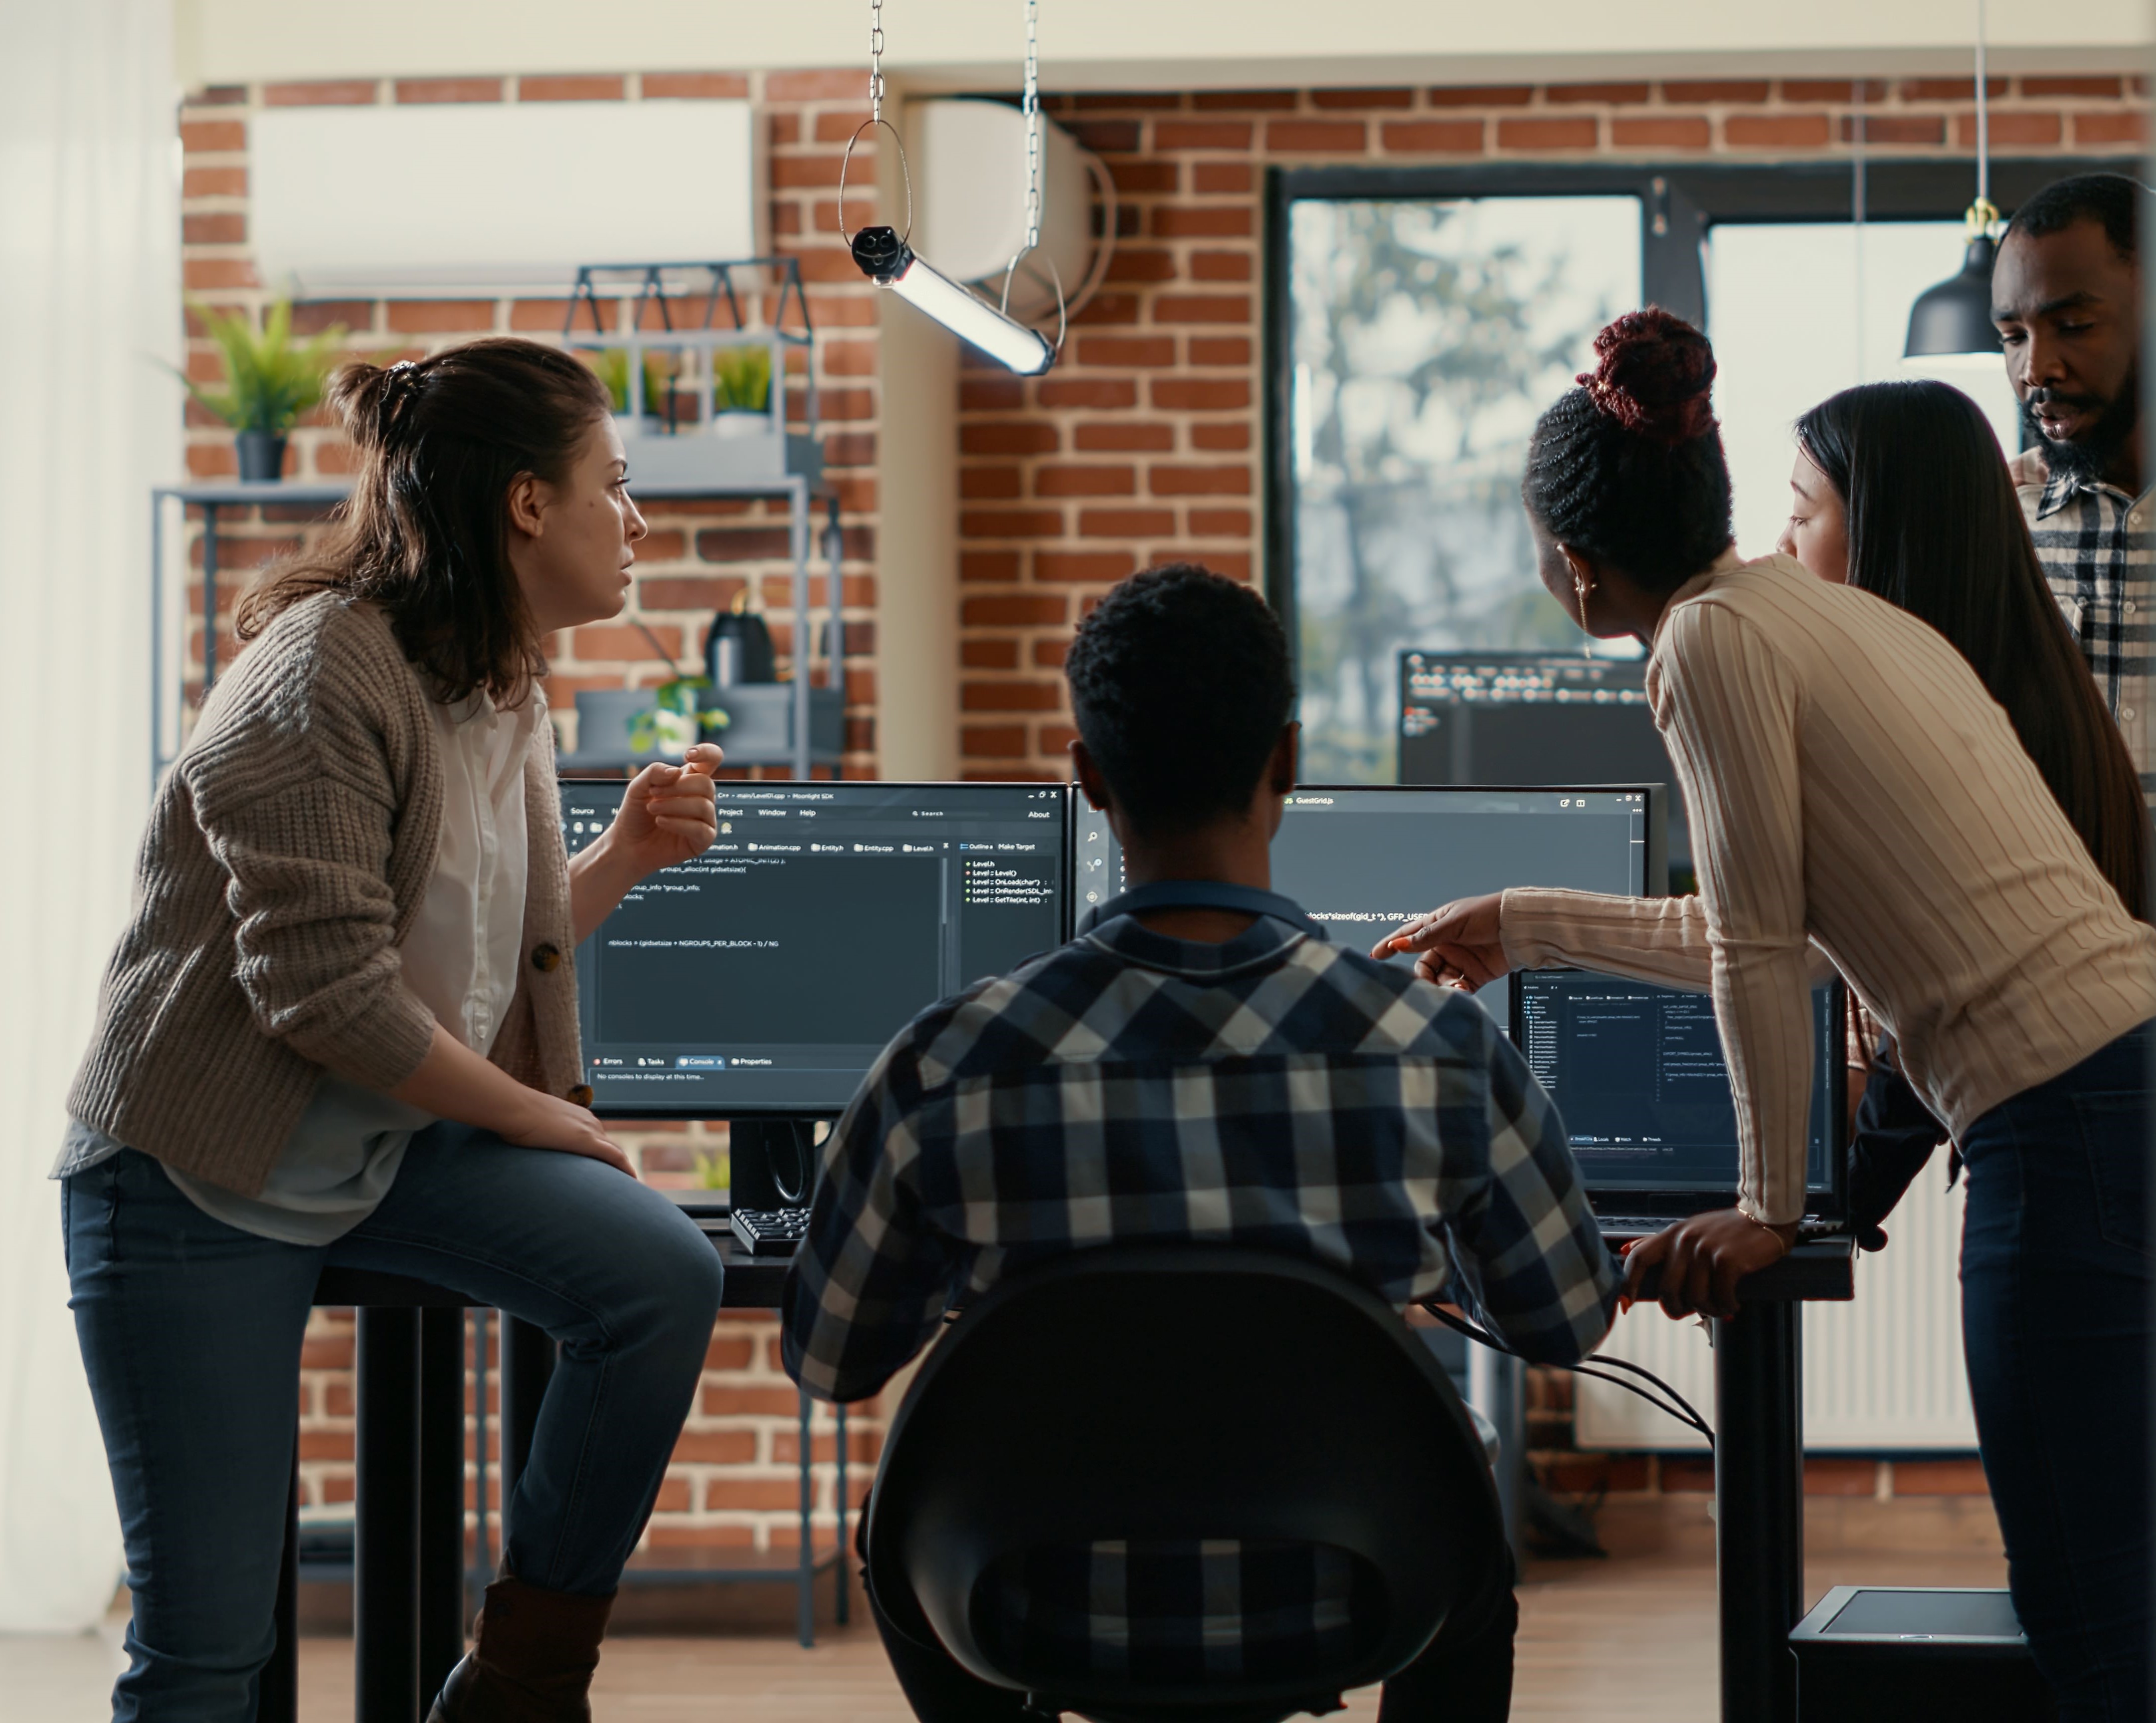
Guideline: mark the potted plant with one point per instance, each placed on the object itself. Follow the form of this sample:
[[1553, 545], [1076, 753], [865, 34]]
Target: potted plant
[[269, 380], [611, 366], [741, 383], [675, 720]]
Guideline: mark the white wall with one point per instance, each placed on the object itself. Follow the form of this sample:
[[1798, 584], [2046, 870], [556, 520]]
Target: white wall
[[1145, 44]]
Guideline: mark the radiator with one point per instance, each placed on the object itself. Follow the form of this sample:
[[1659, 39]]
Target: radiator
[[1881, 1373]]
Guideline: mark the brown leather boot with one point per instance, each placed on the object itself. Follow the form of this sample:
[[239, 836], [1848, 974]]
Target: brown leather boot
[[532, 1655]]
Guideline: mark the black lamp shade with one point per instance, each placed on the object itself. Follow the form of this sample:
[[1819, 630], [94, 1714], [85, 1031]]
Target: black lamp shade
[[1955, 316]]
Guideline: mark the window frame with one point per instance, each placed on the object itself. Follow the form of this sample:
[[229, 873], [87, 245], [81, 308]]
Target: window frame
[[1679, 202]]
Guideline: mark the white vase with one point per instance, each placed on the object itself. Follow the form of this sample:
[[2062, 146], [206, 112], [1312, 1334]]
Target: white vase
[[674, 731]]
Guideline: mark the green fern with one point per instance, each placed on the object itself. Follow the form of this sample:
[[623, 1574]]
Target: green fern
[[269, 379]]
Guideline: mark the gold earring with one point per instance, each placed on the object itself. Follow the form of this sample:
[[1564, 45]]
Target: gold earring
[[1583, 591]]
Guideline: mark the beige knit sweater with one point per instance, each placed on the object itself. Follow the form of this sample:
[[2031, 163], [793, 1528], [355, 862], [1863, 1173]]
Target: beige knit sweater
[[287, 853]]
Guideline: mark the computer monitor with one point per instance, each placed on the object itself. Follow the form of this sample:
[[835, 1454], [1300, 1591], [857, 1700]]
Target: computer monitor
[[1532, 717], [1639, 1075], [1361, 859], [766, 976]]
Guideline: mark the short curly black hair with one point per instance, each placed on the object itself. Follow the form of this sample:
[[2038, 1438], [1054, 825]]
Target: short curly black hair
[[2114, 200], [1181, 684]]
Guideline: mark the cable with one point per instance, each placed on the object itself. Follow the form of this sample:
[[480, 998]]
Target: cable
[[797, 1133], [1682, 1411]]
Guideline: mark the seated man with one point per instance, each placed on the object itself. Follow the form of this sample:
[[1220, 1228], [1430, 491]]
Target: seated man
[[1460, 1179]]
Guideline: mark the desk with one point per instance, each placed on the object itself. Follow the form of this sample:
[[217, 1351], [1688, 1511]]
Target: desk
[[408, 1545], [1759, 1476]]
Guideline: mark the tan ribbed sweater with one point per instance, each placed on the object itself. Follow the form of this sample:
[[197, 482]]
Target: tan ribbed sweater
[[1857, 799], [287, 853]]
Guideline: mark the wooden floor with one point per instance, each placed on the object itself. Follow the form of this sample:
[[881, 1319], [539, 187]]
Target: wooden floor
[[1629, 1639]]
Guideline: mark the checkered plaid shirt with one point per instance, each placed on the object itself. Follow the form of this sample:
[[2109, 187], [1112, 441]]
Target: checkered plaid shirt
[[2093, 540], [1274, 1091]]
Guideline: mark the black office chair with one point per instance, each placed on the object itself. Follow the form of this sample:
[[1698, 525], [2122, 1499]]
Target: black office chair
[[1161, 1395]]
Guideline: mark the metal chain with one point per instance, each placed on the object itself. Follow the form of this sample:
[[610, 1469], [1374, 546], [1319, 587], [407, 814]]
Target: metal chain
[[1031, 108], [875, 60]]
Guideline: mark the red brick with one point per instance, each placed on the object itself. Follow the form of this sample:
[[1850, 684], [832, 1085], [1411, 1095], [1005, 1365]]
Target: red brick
[[831, 86], [213, 183], [1220, 266], [702, 1537], [1010, 697], [1200, 394], [338, 1490], [1677, 132], [1106, 136], [1716, 89], [1109, 308], [1141, 264], [201, 273], [1014, 610], [620, 641], [989, 484], [785, 129], [1218, 176], [208, 137], [434, 316], [219, 95], [1011, 523], [323, 93], [721, 1495], [1202, 308], [1200, 481], [1098, 566], [449, 90], [1833, 90], [1204, 221], [1939, 1477], [1949, 89], [315, 316], [974, 565], [1233, 564], [1775, 131], [991, 394], [215, 228], [746, 1402], [1220, 439], [837, 126], [849, 448], [1220, 350], [673, 1496], [796, 171], [1362, 99], [1841, 1477], [1306, 136], [1126, 523], [579, 88], [1219, 523], [1201, 133], [2094, 87], [326, 1444], [1495, 95], [716, 1448], [1892, 128], [1609, 95], [1579, 1475], [1007, 437], [1050, 655], [326, 1351], [705, 86], [992, 741], [1687, 1476], [1208, 101], [822, 268], [338, 1400], [1546, 134], [855, 358], [2110, 128], [1146, 176], [681, 591], [744, 543], [988, 655], [662, 545], [1123, 438], [1151, 352], [1086, 481], [2012, 128], [1433, 137], [1102, 394]]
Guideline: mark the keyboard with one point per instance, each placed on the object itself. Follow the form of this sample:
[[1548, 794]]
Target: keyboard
[[770, 1231]]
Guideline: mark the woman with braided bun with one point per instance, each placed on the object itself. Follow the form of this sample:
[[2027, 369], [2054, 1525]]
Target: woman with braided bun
[[339, 1031], [1860, 803]]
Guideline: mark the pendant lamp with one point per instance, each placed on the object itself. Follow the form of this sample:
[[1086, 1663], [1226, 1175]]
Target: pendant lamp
[[1950, 324]]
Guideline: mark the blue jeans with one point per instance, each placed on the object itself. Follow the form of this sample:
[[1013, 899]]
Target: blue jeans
[[2056, 1284], [191, 1329]]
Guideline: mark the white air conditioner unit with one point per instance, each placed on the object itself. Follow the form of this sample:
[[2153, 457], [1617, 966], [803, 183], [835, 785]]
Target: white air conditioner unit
[[969, 177], [497, 198]]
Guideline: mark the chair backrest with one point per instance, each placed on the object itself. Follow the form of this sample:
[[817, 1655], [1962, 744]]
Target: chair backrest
[[604, 715], [1160, 1393]]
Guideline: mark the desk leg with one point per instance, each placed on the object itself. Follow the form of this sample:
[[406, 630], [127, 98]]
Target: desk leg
[[804, 1595], [1759, 1508], [277, 1688], [527, 1364], [441, 1497], [385, 1601]]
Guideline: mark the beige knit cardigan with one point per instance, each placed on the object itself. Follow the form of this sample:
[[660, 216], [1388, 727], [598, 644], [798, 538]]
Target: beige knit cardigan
[[287, 853]]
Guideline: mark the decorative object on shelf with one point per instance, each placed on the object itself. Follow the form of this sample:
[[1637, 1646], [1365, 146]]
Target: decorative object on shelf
[[677, 719], [887, 257], [739, 647], [270, 380], [740, 379], [611, 366], [1951, 321]]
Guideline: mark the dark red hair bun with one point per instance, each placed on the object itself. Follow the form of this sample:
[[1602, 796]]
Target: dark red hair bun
[[1653, 376]]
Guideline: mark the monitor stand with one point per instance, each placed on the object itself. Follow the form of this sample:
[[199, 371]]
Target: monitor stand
[[773, 1163]]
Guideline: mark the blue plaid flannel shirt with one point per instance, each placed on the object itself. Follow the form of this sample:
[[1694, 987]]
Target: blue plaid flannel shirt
[[1274, 1092]]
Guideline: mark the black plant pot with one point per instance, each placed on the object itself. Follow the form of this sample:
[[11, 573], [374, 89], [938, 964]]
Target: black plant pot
[[261, 457]]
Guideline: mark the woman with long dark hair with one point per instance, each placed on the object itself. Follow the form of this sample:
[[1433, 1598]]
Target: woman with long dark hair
[[341, 1031], [1859, 802]]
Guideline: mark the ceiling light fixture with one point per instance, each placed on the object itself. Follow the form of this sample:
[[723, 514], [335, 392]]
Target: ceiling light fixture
[[1951, 322]]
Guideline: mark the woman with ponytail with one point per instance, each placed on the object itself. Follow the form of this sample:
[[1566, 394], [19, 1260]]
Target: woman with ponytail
[[1859, 802], [341, 1031]]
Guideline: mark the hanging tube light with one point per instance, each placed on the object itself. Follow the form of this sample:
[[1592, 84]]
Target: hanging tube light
[[1951, 322], [886, 259]]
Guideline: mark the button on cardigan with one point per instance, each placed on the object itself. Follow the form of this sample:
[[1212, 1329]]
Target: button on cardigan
[[287, 854]]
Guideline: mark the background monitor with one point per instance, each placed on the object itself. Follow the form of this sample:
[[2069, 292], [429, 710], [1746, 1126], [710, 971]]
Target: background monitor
[[766, 976], [1533, 717], [1361, 859], [1638, 1073]]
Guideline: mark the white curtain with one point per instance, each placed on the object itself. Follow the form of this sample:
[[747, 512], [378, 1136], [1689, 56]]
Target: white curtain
[[89, 304]]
